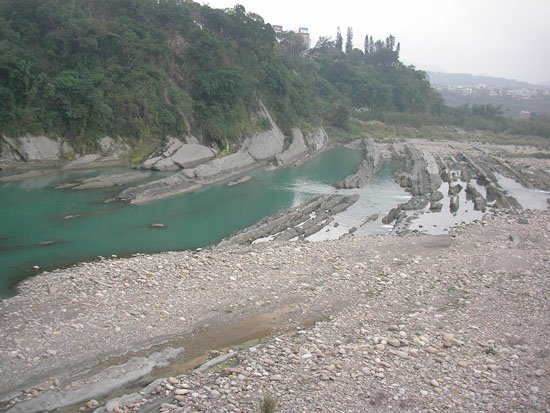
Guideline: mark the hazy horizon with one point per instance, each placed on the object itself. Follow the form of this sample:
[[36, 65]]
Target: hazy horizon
[[497, 38]]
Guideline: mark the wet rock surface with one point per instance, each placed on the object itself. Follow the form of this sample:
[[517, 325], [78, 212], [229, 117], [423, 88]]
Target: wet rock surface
[[416, 323], [474, 166], [299, 223], [176, 155], [176, 184], [105, 181], [296, 151], [367, 169]]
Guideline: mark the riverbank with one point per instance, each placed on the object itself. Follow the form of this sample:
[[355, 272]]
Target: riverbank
[[392, 304]]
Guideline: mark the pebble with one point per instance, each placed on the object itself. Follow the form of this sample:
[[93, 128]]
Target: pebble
[[328, 364], [394, 342], [111, 406]]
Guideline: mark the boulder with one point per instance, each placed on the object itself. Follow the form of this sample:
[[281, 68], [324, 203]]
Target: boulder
[[480, 204], [149, 163], [177, 155], [454, 203], [423, 170], [265, 145], [171, 146], [436, 196], [176, 184], [367, 169], [164, 164], [392, 216], [35, 148], [317, 140], [373, 217], [435, 206], [295, 151], [229, 164], [192, 154], [84, 161], [454, 189]]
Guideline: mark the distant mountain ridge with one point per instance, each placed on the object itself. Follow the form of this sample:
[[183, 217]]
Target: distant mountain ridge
[[465, 79]]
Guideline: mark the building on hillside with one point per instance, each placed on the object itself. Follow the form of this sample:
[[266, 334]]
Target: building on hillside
[[524, 114], [305, 35]]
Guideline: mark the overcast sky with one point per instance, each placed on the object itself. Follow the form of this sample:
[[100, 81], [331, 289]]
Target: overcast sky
[[501, 38]]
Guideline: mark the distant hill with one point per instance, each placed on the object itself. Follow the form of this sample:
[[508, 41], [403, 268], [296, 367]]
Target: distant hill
[[516, 98], [464, 79]]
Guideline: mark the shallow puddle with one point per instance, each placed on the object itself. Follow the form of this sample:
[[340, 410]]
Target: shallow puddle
[[528, 198], [438, 223]]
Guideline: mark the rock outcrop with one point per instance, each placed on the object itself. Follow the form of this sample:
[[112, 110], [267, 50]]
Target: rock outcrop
[[177, 155], [367, 169], [296, 151], [8, 152], [176, 184], [41, 149], [105, 181], [32, 148], [265, 145], [85, 161], [192, 154], [222, 167], [424, 172], [301, 222], [317, 140]]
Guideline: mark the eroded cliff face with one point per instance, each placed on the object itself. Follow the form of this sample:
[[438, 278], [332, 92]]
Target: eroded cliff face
[[42, 149], [196, 164], [30, 148]]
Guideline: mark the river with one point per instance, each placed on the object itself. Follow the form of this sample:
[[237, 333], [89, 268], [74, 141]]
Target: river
[[75, 226]]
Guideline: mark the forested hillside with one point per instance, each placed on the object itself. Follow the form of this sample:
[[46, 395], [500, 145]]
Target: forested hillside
[[145, 69]]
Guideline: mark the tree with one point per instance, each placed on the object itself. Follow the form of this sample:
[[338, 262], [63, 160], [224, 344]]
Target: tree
[[349, 40], [339, 40], [340, 115], [293, 43], [325, 43]]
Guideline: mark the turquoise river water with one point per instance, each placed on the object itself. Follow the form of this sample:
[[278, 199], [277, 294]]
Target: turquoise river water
[[83, 227]]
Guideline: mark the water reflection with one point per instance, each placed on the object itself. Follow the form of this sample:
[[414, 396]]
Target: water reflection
[[527, 197]]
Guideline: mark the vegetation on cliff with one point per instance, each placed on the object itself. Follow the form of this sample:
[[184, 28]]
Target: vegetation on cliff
[[145, 69]]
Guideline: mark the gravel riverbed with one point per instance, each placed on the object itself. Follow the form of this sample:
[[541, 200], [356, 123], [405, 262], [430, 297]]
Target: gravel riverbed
[[455, 322]]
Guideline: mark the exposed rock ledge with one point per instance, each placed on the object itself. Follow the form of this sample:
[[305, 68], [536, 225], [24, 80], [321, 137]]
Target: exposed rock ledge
[[101, 384], [298, 223], [104, 181], [253, 154], [193, 162], [39, 151], [368, 167], [177, 155]]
